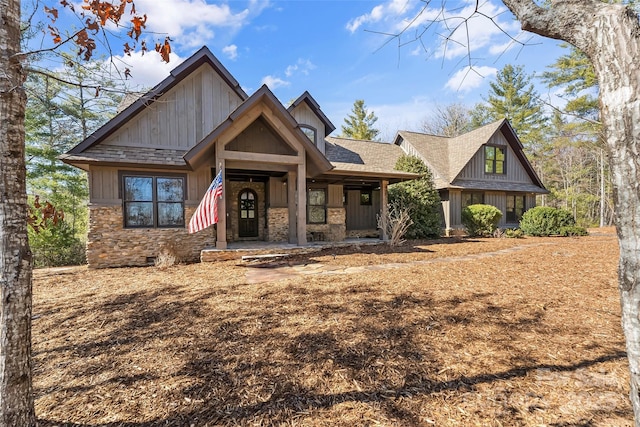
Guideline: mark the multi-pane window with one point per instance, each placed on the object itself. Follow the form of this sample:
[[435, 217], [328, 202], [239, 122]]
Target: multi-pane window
[[153, 201], [469, 199], [516, 205], [317, 206], [247, 205], [494, 160]]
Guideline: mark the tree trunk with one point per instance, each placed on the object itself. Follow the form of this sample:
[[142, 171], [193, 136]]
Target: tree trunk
[[16, 399], [610, 35]]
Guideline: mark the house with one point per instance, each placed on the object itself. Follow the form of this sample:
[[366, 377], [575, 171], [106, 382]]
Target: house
[[285, 180], [486, 165]]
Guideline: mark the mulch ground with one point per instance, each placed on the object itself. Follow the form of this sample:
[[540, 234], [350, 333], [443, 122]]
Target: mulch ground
[[452, 332]]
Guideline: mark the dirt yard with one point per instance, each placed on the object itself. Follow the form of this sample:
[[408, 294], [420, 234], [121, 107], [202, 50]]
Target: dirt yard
[[455, 332]]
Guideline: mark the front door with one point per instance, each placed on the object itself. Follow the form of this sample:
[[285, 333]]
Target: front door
[[248, 214]]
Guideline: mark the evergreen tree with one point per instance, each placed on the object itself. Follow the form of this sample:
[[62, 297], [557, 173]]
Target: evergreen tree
[[420, 197], [58, 116], [591, 202], [574, 73], [359, 124], [512, 96]]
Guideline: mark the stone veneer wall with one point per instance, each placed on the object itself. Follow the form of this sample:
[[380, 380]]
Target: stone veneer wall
[[278, 224], [109, 244], [335, 228]]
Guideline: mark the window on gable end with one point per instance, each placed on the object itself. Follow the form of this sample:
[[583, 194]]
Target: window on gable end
[[311, 133], [495, 160]]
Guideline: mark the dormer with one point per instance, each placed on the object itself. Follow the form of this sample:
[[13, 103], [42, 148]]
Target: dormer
[[311, 120]]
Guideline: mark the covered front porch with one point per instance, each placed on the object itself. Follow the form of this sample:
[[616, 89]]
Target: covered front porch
[[265, 206]]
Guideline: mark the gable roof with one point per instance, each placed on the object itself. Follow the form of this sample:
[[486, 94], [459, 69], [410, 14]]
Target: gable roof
[[202, 56], [202, 149], [308, 99], [447, 157]]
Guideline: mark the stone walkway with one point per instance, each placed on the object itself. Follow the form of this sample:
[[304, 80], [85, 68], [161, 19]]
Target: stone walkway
[[262, 274]]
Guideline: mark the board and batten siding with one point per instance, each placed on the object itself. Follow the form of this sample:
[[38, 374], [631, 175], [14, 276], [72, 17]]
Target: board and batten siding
[[305, 116], [260, 137], [499, 200], [277, 192], [362, 217], [104, 183], [184, 115], [455, 209], [515, 171]]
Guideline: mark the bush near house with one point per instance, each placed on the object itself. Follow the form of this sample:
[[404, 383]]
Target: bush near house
[[548, 221], [420, 198], [52, 241], [481, 220]]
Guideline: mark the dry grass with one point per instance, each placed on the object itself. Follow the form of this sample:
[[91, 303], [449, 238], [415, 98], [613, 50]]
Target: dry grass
[[526, 336]]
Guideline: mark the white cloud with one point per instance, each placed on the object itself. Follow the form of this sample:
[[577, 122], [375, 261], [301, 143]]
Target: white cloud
[[459, 30], [389, 10], [193, 22], [302, 66], [468, 78], [146, 71], [274, 82], [231, 51]]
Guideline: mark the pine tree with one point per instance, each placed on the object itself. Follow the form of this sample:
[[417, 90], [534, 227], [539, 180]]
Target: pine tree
[[512, 96], [58, 116], [359, 124], [574, 73]]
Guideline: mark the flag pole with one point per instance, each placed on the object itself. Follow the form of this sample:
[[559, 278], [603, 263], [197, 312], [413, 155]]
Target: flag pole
[[221, 227]]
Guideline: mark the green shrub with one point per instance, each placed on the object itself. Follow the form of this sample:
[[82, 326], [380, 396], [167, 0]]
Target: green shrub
[[573, 230], [481, 220], [513, 233], [52, 240], [545, 221], [56, 246], [419, 198]]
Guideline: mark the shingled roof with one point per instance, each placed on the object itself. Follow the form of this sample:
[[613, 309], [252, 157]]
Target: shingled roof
[[360, 157], [447, 157], [105, 154]]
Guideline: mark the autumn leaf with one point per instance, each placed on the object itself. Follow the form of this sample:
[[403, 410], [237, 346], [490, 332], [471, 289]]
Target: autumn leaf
[[164, 49], [92, 25], [127, 73], [138, 25], [53, 12], [55, 34]]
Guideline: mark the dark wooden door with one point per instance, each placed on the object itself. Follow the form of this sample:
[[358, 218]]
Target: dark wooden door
[[248, 214]]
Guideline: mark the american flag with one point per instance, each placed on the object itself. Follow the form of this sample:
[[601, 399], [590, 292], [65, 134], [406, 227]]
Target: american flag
[[207, 212]]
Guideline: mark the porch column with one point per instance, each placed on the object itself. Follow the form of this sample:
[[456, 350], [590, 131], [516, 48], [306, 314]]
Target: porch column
[[384, 205], [291, 203], [302, 204], [221, 227]]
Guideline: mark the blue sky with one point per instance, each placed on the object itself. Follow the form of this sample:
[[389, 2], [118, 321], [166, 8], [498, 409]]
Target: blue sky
[[334, 49]]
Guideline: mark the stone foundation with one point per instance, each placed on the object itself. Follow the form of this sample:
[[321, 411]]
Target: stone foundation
[[109, 244], [333, 231], [278, 224]]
